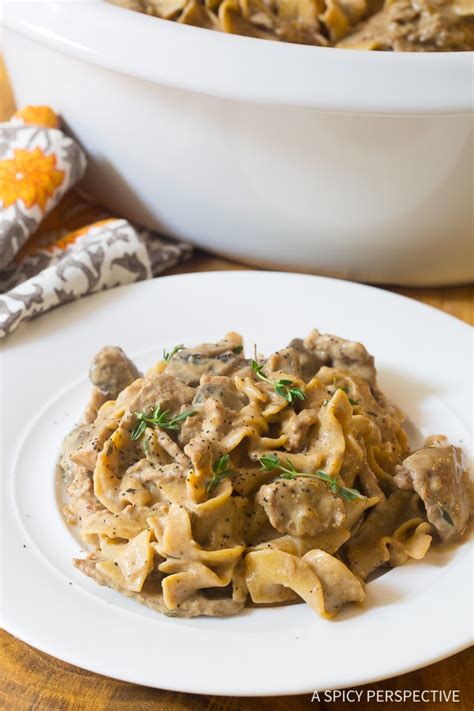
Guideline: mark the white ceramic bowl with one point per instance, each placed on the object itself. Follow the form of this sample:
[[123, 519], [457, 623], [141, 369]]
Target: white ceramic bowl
[[354, 164]]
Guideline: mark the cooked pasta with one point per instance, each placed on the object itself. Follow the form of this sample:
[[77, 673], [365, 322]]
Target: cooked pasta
[[387, 25], [214, 480]]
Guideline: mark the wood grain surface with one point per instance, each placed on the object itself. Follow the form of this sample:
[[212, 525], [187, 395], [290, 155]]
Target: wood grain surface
[[31, 680]]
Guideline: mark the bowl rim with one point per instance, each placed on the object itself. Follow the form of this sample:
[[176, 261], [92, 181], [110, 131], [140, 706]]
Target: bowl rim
[[165, 53]]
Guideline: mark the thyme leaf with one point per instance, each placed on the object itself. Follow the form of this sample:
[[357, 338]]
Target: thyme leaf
[[167, 356], [445, 514], [237, 349], [139, 429], [159, 418], [283, 387], [220, 470], [345, 390], [350, 494], [271, 462]]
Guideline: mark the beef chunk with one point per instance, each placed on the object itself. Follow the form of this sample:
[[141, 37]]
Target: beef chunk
[[111, 371], [336, 352], [301, 507], [437, 474]]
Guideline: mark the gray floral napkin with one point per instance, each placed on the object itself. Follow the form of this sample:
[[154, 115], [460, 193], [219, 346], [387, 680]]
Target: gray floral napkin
[[54, 245]]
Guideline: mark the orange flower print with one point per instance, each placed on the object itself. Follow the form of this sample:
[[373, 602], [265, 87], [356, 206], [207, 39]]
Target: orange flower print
[[29, 176], [38, 116], [72, 237]]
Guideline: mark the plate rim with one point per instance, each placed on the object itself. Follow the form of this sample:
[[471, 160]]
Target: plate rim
[[17, 631]]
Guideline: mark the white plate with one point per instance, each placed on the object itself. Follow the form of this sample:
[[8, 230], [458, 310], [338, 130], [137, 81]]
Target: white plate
[[415, 614]]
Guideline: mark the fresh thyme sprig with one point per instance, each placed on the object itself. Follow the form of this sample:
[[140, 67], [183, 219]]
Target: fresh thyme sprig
[[220, 470], [445, 514], [282, 386], [271, 462], [167, 356], [159, 418]]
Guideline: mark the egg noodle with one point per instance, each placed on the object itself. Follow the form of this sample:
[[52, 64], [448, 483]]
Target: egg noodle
[[385, 25]]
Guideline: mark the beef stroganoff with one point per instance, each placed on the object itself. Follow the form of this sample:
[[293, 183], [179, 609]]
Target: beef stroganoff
[[386, 25], [215, 480]]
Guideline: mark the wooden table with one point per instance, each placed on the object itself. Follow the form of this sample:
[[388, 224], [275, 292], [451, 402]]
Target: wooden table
[[32, 680]]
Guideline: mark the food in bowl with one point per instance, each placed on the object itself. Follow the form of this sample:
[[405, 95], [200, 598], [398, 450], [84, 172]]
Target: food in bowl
[[216, 480], [352, 164], [390, 25]]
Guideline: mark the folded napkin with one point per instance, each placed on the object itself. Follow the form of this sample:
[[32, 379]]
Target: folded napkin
[[54, 245]]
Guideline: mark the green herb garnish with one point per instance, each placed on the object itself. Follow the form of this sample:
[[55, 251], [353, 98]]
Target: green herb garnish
[[282, 386], [345, 390], [159, 418], [271, 462], [167, 356], [237, 349], [445, 514], [220, 470]]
